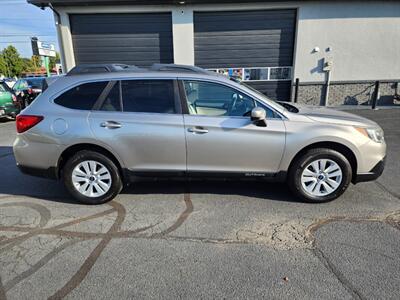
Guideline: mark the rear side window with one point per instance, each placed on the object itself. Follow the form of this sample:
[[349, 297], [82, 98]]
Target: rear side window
[[151, 96], [112, 101], [81, 97], [35, 83]]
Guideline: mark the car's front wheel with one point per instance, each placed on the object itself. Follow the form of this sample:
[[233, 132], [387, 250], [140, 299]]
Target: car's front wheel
[[91, 177], [320, 175]]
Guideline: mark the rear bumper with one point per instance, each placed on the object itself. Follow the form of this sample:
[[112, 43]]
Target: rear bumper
[[371, 175], [50, 173], [6, 111]]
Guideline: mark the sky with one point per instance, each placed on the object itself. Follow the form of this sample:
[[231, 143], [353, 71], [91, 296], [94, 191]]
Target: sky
[[20, 20]]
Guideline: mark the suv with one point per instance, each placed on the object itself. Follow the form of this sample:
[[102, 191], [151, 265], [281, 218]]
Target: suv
[[103, 126]]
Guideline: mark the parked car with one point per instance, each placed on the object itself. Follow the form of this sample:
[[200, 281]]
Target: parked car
[[10, 82], [27, 89], [104, 126], [8, 102]]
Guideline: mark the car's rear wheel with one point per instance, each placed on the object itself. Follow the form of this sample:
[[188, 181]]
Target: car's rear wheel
[[91, 177], [320, 175]]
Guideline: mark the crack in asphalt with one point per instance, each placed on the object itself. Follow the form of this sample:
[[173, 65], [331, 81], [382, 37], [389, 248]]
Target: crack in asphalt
[[385, 189], [332, 269], [115, 232], [34, 268], [390, 219], [105, 239]]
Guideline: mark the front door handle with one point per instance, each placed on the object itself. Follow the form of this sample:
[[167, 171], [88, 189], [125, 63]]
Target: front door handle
[[111, 125], [198, 130]]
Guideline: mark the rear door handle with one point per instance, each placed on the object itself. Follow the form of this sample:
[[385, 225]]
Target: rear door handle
[[198, 130], [111, 125]]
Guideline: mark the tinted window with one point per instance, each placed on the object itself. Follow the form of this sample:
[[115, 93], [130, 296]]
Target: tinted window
[[211, 99], [152, 96], [21, 84], [4, 88], [83, 96], [112, 101], [35, 83]]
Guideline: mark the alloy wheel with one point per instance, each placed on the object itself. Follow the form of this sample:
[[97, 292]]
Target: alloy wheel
[[321, 177], [91, 178]]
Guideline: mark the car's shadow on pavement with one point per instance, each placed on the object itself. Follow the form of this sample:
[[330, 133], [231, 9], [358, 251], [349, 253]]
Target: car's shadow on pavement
[[251, 189], [15, 183], [5, 120]]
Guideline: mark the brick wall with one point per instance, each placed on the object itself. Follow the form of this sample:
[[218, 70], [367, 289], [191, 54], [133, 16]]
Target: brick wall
[[342, 93]]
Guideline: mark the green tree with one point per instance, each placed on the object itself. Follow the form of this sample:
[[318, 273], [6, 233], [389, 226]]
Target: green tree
[[36, 61], [3, 66], [13, 61], [27, 65], [54, 60], [31, 65]]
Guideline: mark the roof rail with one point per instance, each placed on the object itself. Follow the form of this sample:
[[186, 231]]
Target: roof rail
[[174, 67], [99, 68]]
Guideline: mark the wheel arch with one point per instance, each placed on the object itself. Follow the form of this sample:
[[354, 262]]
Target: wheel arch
[[341, 148], [71, 150]]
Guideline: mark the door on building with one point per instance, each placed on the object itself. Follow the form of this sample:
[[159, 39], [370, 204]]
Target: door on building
[[134, 39], [256, 46]]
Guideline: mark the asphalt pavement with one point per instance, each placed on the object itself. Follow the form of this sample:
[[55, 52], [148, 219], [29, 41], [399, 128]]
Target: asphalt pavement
[[202, 239]]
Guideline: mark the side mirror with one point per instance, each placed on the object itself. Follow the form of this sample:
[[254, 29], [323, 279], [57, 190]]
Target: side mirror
[[259, 116]]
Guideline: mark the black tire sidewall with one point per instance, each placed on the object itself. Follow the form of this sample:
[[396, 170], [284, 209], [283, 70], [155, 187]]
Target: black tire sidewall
[[310, 156], [116, 184]]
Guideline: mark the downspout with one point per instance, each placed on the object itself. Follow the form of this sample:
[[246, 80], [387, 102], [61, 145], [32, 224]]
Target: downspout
[[59, 34], [58, 22], [327, 86]]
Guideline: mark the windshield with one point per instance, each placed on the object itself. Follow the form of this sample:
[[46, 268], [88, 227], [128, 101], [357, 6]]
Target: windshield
[[35, 83], [3, 88], [261, 95]]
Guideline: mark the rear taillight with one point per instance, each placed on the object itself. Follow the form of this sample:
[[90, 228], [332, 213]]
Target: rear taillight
[[25, 122], [14, 98]]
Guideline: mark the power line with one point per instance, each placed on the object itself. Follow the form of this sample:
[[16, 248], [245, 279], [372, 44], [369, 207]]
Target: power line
[[13, 2], [19, 19], [8, 3], [20, 42], [11, 35]]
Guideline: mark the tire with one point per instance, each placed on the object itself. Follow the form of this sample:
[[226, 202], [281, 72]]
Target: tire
[[329, 184], [103, 185]]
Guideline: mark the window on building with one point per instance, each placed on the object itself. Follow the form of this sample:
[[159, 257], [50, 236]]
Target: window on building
[[257, 73]]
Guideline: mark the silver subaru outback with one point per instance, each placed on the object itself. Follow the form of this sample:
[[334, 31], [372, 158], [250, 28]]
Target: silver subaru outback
[[103, 126]]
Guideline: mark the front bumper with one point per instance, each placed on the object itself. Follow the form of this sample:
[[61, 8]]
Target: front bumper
[[371, 175]]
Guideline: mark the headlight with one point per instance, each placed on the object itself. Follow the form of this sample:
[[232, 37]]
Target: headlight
[[375, 134]]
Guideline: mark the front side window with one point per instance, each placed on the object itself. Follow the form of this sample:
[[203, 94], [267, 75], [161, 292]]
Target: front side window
[[211, 99], [81, 97], [149, 96]]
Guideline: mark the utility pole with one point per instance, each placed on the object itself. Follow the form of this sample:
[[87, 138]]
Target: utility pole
[[46, 64]]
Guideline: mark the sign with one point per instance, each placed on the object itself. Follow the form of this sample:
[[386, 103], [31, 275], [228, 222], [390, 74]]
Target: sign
[[42, 48]]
